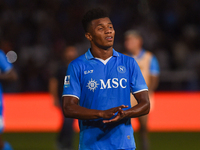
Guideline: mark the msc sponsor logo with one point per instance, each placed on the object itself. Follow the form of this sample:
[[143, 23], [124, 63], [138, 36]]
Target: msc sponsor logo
[[113, 83], [110, 83], [92, 85], [67, 81]]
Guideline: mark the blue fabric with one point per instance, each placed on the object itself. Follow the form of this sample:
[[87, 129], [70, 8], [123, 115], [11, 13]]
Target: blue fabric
[[154, 66], [5, 66], [127, 149], [102, 87], [7, 146]]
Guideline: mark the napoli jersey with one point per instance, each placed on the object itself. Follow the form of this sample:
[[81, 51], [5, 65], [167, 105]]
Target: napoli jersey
[[103, 85], [5, 66]]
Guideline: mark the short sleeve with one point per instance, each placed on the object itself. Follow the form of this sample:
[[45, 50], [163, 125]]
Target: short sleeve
[[154, 66], [72, 82], [138, 83], [5, 66]]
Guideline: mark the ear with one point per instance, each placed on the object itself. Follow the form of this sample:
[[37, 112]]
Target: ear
[[88, 36]]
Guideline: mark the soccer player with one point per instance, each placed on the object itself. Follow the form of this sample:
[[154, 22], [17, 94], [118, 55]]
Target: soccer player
[[97, 89], [7, 73], [150, 69], [65, 137]]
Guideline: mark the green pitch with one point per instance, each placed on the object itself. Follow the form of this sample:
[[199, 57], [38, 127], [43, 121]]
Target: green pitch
[[158, 141]]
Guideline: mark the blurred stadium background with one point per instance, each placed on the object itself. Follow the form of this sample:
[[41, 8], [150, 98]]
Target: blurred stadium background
[[38, 31]]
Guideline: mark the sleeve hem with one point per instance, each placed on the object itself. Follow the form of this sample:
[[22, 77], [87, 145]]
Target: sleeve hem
[[140, 91], [70, 95]]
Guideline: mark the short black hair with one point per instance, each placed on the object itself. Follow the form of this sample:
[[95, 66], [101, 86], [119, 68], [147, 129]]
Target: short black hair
[[93, 14]]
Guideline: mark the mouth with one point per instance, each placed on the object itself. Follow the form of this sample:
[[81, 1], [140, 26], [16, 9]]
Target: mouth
[[109, 38]]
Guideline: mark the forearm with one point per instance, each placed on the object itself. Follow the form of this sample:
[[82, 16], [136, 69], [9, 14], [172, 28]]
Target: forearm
[[4, 77], [78, 112], [154, 80], [8, 76], [53, 88], [142, 108], [138, 110], [71, 109]]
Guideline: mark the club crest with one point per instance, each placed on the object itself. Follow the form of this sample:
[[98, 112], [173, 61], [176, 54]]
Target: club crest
[[121, 69]]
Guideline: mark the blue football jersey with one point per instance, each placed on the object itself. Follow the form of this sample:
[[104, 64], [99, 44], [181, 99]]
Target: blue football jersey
[[102, 86], [5, 66]]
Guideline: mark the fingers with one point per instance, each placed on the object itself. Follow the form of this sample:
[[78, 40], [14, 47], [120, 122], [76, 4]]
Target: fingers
[[112, 120], [123, 106], [106, 121], [116, 109], [111, 112], [118, 117]]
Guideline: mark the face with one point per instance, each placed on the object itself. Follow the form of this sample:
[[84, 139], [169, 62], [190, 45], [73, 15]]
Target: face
[[132, 43], [101, 33]]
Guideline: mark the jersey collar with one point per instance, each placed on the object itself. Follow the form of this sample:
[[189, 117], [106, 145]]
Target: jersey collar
[[89, 55]]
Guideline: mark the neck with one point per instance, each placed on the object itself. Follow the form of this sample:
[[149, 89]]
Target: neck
[[101, 52]]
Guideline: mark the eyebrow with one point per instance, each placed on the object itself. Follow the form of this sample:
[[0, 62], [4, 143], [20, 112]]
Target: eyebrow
[[102, 24]]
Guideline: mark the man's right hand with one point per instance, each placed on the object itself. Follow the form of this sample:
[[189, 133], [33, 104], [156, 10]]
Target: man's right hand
[[107, 114]]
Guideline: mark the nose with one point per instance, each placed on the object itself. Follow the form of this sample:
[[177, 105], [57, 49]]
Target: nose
[[108, 30]]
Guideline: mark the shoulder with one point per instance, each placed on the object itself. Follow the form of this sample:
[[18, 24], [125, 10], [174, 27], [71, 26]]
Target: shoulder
[[148, 54], [78, 61], [2, 54], [78, 64], [152, 57], [127, 59], [3, 58]]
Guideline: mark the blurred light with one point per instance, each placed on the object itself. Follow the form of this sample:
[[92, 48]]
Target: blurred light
[[11, 56]]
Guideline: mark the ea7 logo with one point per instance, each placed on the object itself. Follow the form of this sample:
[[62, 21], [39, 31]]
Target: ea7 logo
[[67, 81], [113, 83], [89, 71]]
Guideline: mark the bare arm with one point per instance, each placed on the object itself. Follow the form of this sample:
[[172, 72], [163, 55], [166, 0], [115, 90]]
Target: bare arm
[[53, 89], [71, 109], [154, 80], [9, 76], [142, 108]]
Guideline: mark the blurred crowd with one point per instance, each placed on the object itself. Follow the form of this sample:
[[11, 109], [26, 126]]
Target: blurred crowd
[[39, 30]]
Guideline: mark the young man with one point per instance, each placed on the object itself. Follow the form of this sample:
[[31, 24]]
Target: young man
[[7, 73], [97, 89], [65, 137], [150, 70]]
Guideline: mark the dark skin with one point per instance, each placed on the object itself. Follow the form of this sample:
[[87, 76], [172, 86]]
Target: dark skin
[[9, 76], [101, 36]]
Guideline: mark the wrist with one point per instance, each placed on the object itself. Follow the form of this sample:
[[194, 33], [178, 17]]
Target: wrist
[[100, 114], [125, 114]]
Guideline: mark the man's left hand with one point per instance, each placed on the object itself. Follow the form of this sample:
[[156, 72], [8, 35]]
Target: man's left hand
[[120, 115]]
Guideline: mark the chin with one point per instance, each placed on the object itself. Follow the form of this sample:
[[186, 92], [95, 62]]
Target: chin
[[107, 47]]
